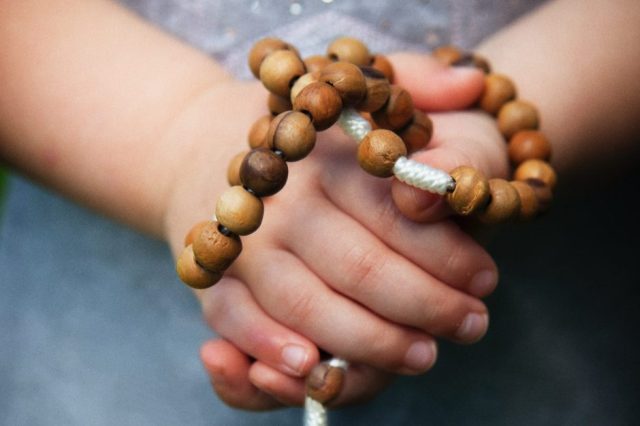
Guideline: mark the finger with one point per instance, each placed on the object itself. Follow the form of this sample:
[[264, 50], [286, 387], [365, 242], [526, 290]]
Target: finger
[[231, 310], [301, 301], [434, 86], [285, 389], [479, 145], [228, 369]]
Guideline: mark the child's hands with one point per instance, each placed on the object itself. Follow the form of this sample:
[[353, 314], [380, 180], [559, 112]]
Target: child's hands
[[333, 260]]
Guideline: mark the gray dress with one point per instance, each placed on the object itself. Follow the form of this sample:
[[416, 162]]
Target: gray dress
[[96, 329]]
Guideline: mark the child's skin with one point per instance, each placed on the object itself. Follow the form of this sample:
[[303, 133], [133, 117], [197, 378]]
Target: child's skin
[[123, 118]]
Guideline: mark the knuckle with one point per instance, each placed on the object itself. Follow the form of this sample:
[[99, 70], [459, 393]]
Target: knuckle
[[299, 308], [364, 266]]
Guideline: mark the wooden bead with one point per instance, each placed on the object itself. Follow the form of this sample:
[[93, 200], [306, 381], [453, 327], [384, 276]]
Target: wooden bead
[[418, 133], [528, 200], [377, 90], [515, 116], [536, 169], [347, 79], [263, 172], [397, 111], [322, 102], [382, 64], [324, 383], [378, 152], [215, 251], [278, 104], [447, 54], [279, 71], [258, 131], [316, 63], [471, 193], [302, 82], [529, 144], [261, 50], [292, 133], [498, 90], [194, 232], [349, 49], [239, 211], [504, 204], [543, 194], [192, 274], [472, 60], [233, 172]]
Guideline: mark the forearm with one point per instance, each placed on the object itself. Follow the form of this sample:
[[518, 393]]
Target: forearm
[[579, 62], [88, 92]]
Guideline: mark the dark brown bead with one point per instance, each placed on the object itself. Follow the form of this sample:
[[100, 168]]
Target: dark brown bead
[[233, 171], [528, 200], [261, 50], [474, 61], [192, 274], [322, 102], [349, 49], [471, 193], [263, 172], [504, 204], [397, 111], [279, 71], [378, 152], [377, 91], [515, 116], [382, 64], [544, 194], [498, 90], [239, 211], [194, 232], [316, 63], [292, 133], [536, 169], [529, 144], [258, 131], [215, 251], [347, 79], [447, 54], [278, 104], [418, 133], [324, 383]]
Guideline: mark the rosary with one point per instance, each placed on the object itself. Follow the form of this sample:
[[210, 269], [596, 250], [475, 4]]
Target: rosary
[[354, 88]]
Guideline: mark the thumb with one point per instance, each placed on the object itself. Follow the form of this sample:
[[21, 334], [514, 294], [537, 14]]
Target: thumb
[[434, 86]]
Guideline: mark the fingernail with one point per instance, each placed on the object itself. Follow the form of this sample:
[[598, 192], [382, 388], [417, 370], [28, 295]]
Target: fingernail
[[483, 283], [473, 327], [295, 357], [421, 356]]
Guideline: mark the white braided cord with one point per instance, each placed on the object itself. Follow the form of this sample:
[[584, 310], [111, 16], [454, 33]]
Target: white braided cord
[[353, 124]]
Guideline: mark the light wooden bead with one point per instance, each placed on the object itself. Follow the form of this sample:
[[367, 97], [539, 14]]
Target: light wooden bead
[[418, 133], [263, 172], [302, 82], [194, 232], [527, 145], [515, 116], [382, 64], [349, 49], [192, 274], [324, 383], [536, 169], [258, 131], [278, 104], [498, 90], [378, 152], [215, 251], [322, 102], [347, 79], [292, 133], [239, 211], [316, 63], [233, 172], [504, 204], [543, 194], [447, 54], [279, 71], [528, 200], [471, 192], [377, 91], [261, 50], [397, 111]]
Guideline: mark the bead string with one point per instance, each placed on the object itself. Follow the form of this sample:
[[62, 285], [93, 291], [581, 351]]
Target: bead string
[[355, 88]]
